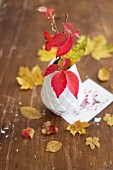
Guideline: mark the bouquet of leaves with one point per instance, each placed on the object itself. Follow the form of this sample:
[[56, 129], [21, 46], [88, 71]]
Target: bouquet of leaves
[[67, 54]]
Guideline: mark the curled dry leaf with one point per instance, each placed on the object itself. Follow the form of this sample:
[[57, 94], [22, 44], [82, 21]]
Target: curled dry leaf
[[28, 132], [49, 128], [111, 86], [92, 142], [109, 119], [78, 127], [30, 112], [103, 74], [27, 79], [53, 146]]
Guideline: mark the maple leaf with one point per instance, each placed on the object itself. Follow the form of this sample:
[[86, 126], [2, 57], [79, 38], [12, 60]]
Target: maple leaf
[[47, 55], [51, 69], [78, 127], [103, 74], [98, 47], [92, 142], [28, 132], [109, 119], [59, 82], [49, 128], [27, 79]]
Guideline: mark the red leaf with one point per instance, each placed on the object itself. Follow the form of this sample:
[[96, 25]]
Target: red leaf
[[51, 69], [68, 27], [49, 128], [76, 33], [47, 36], [65, 63], [28, 132], [59, 82], [72, 82], [56, 41], [65, 47]]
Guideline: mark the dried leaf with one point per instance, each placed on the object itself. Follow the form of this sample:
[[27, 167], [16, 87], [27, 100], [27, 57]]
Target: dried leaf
[[78, 127], [53, 146], [49, 128], [111, 86], [109, 119], [92, 142], [27, 79], [46, 56], [103, 74], [28, 132], [30, 112]]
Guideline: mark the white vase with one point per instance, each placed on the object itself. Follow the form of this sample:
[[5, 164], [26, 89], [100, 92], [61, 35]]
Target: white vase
[[66, 103]]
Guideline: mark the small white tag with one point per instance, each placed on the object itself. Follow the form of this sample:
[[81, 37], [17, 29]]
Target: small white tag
[[96, 99]]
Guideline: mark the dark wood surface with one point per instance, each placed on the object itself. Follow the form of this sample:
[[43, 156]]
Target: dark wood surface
[[21, 35]]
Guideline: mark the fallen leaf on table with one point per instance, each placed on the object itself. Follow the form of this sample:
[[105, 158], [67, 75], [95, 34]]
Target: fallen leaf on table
[[103, 74], [92, 142], [78, 127], [98, 47], [30, 112], [53, 146], [47, 55], [28, 132], [111, 86], [49, 128], [27, 79], [109, 119]]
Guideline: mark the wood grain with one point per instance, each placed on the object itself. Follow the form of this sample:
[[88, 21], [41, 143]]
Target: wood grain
[[21, 35]]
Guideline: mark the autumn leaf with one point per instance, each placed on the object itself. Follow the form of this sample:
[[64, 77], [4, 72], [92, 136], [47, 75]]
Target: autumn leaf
[[30, 112], [109, 119], [111, 86], [49, 128], [28, 132], [92, 142], [27, 79], [46, 56], [78, 127], [51, 69], [98, 47], [75, 53], [72, 82], [53, 146], [103, 74]]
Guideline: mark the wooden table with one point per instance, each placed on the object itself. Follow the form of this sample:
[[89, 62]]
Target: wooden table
[[21, 35]]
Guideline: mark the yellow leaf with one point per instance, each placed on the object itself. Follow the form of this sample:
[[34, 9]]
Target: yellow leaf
[[98, 47], [109, 119], [30, 112], [47, 55], [111, 86], [27, 79], [92, 142], [103, 74], [78, 127], [53, 146]]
